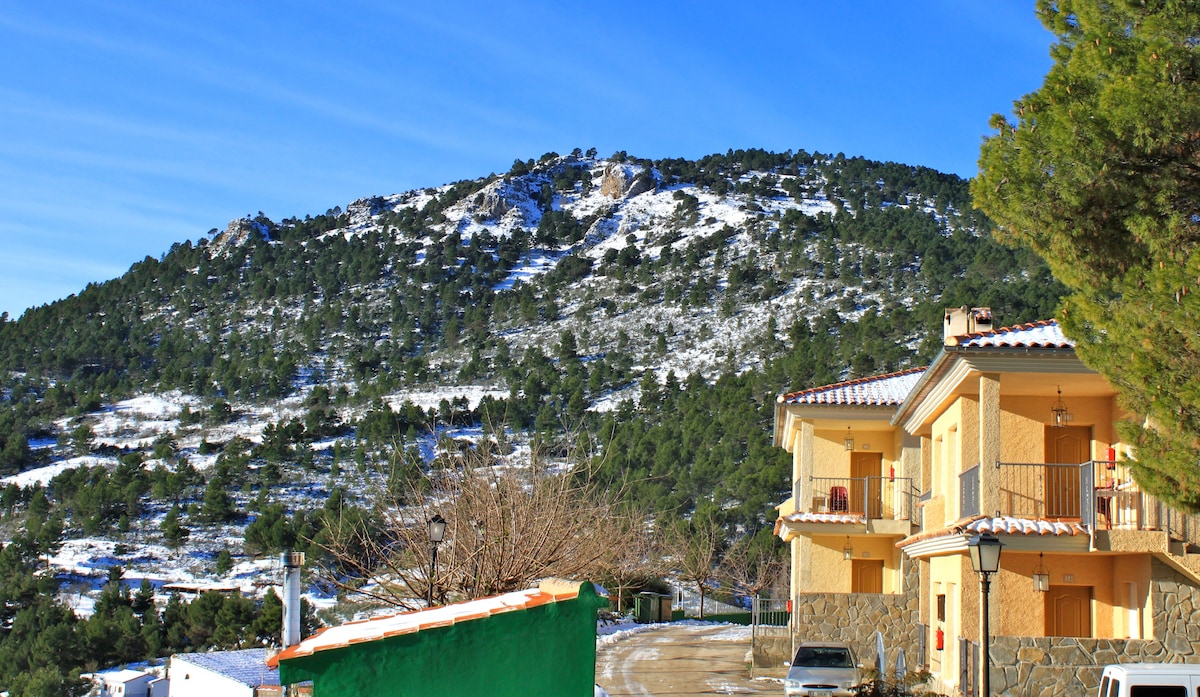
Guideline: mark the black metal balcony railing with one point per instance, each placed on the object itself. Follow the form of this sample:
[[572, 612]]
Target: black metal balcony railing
[[1036, 490], [875, 498], [1098, 493]]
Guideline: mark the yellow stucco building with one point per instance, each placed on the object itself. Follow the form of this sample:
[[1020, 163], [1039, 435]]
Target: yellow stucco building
[[1008, 433]]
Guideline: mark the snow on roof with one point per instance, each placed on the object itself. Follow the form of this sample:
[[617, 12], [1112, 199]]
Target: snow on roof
[[125, 675], [1007, 525], [201, 587], [549, 591], [1041, 334], [248, 666], [1023, 526], [852, 518], [878, 390]]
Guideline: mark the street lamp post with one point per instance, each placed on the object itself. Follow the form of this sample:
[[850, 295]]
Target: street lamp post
[[985, 560], [437, 532]]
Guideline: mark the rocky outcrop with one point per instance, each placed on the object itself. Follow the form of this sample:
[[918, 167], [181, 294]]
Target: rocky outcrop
[[642, 183], [365, 208], [493, 206], [613, 181], [239, 231], [616, 182]]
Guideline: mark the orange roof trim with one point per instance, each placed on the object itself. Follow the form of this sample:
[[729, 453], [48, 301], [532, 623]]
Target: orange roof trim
[[376, 628], [1004, 524]]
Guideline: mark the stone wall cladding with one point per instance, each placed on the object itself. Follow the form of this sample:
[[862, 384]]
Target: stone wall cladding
[[771, 646], [1069, 667], [855, 617]]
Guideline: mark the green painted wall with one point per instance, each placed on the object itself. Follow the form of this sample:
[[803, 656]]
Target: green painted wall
[[546, 651]]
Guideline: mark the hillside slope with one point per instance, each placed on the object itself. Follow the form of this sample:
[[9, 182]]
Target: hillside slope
[[642, 312]]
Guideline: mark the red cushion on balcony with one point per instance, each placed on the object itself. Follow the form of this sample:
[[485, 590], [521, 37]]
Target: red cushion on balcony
[[839, 499]]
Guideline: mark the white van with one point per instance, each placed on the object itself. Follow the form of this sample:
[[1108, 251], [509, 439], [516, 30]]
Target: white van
[[1150, 680]]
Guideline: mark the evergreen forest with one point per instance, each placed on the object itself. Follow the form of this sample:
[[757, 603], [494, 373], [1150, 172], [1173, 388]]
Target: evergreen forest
[[635, 318]]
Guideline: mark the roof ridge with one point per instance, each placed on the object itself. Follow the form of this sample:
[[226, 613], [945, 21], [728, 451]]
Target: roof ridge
[[847, 383]]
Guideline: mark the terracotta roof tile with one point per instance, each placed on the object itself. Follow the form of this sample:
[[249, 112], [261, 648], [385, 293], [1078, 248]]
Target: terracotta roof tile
[[852, 518], [1041, 334], [1024, 526], [1004, 524], [877, 390]]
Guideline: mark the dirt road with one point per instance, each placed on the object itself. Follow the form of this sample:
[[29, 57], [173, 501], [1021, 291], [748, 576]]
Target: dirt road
[[681, 661]]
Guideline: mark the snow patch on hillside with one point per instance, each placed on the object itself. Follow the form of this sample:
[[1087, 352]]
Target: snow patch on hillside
[[42, 475]]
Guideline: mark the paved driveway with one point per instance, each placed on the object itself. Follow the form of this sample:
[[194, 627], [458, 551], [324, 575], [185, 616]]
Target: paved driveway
[[682, 661]]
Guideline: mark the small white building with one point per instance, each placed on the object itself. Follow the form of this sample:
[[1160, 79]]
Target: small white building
[[225, 673], [130, 683]]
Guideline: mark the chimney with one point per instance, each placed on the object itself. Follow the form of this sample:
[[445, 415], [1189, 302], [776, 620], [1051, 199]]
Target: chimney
[[960, 321], [292, 561]]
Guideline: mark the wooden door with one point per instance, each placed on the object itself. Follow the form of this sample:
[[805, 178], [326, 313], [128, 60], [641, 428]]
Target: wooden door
[[1064, 446], [866, 484], [1069, 611], [866, 576]]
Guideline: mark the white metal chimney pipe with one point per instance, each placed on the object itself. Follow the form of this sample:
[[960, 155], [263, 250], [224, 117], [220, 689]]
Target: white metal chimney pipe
[[292, 561]]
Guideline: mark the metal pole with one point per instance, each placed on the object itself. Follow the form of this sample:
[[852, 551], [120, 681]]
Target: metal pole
[[432, 573], [291, 561], [985, 678]]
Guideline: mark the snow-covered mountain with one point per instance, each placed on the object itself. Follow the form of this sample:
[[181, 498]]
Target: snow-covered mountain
[[551, 294]]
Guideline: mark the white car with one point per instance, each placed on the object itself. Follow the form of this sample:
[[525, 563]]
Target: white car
[[822, 669]]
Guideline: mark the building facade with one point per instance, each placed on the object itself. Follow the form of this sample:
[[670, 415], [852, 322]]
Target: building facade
[[1007, 433]]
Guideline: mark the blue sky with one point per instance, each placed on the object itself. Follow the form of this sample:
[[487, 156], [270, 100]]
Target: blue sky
[[127, 127]]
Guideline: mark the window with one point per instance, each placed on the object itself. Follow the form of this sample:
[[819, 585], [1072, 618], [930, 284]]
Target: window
[[941, 608], [1157, 691], [825, 657]]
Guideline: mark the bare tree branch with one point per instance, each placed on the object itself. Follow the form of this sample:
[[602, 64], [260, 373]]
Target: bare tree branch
[[507, 527]]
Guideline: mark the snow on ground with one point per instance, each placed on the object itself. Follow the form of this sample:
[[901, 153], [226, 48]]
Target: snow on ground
[[612, 400], [83, 566], [150, 406], [90, 558], [608, 634], [135, 423], [733, 632], [531, 265], [83, 605], [43, 475], [432, 398]]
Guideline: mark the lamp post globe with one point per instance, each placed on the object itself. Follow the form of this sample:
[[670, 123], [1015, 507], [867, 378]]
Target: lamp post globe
[[985, 553]]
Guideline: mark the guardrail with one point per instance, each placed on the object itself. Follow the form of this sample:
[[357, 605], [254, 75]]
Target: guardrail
[[1040, 490], [1098, 493], [875, 498], [770, 612]]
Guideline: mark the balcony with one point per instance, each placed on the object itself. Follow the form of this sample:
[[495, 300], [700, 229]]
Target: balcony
[[873, 498], [1099, 494]]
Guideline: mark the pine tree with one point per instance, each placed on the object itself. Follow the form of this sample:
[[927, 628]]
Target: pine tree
[[1100, 175], [217, 506]]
